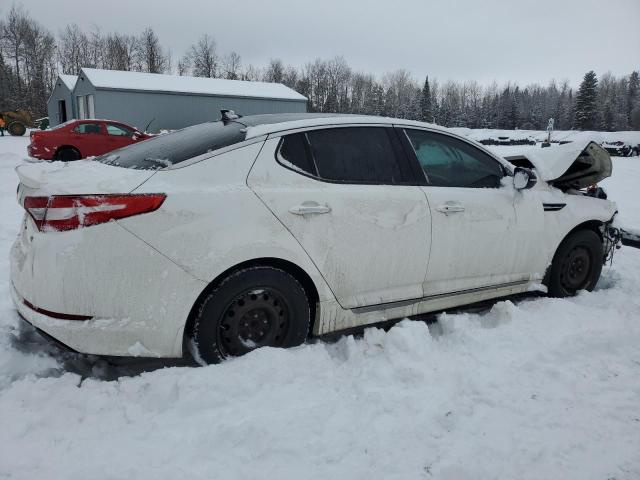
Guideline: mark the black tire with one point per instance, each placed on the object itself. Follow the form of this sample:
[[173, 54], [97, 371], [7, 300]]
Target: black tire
[[251, 308], [576, 265], [16, 129], [68, 154]]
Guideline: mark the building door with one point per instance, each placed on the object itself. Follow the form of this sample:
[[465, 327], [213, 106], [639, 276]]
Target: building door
[[62, 111]]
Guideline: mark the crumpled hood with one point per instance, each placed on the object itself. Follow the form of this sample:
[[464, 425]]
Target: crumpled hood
[[79, 177], [573, 165]]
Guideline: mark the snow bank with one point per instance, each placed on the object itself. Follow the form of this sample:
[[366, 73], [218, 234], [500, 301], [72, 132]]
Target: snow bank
[[541, 388]]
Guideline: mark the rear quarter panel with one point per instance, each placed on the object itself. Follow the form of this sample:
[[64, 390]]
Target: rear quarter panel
[[211, 220]]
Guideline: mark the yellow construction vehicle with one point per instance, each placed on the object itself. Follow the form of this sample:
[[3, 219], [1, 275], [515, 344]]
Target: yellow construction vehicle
[[16, 122]]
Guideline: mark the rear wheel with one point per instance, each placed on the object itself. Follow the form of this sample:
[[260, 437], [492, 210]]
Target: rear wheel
[[17, 129], [576, 265], [68, 154], [251, 308]]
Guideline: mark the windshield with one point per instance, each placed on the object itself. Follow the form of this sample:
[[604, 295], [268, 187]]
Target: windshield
[[175, 147]]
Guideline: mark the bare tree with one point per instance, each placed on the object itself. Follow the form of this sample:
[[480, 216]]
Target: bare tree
[[184, 65], [251, 74], [231, 66], [274, 72], [151, 56], [12, 36], [72, 49], [120, 52], [204, 58]]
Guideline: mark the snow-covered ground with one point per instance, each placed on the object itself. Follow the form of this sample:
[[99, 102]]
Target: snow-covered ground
[[536, 389]]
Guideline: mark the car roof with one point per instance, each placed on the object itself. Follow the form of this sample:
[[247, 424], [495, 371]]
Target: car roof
[[266, 124]]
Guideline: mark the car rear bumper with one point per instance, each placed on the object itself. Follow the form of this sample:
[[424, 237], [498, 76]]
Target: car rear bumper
[[100, 290]]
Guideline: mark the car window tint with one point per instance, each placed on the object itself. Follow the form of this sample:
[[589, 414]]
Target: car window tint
[[88, 128], [119, 131], [355, 154], [175, 147], [449, 162], [293, 154]]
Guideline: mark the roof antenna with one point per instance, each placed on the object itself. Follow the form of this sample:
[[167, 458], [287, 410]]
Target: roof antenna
[[228, 116]]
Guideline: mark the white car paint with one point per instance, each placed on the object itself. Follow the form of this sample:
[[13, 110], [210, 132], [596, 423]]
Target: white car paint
[[371, 246], [377, 252]]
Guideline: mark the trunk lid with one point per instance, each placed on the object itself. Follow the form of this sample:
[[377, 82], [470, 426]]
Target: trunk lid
[[76, 178], [573, 165]]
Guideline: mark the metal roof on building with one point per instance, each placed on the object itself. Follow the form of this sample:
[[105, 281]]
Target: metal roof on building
[[159, 83]]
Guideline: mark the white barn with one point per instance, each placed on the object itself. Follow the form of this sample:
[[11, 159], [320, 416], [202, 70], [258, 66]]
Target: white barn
[[170, 101], [61, 105]]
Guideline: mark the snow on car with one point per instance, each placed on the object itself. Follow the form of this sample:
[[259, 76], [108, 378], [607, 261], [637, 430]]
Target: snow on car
[[261, 230]]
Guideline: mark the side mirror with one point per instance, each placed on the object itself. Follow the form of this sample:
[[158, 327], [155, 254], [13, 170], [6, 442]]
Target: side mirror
[[524, 178]]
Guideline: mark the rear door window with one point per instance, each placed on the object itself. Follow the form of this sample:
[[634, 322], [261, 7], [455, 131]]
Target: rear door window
[[175, 147], [93, 128], [347, 155]]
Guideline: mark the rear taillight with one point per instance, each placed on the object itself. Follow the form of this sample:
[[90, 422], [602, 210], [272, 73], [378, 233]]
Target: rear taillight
[[68, 212]]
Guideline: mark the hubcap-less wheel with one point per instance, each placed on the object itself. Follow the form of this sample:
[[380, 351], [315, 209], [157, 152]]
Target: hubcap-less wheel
[[254, 319], [576, 269], [251, 308], [576, 265], [16, 129], [68, 155]]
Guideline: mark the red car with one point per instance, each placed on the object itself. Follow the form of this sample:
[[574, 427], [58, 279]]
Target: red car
[[78, 139]]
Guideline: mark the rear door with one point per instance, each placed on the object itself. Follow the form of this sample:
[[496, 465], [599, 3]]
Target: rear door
[[89, 138], [349, 198], [484, 231]]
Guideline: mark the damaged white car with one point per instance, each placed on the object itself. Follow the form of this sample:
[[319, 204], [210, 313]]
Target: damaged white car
[[262, 230]]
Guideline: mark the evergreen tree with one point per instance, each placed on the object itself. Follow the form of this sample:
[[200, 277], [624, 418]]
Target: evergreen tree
[[426, 110], [633, 98], [586, 112]]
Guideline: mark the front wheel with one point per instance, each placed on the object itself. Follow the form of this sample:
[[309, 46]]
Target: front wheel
[[251, 308], [576, 265]]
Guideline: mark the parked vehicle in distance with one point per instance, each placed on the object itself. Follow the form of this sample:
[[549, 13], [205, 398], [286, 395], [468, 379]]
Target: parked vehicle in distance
[[78, 139], [16, 122], [261, 230], [621, 149]]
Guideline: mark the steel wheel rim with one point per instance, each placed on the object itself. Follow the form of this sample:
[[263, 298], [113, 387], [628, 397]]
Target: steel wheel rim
[[576, 268], [255, 318]]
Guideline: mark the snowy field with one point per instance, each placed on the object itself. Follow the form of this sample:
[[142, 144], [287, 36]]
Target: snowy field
[[534, 389]]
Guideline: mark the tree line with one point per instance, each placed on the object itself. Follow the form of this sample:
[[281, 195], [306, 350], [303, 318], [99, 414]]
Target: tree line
[[31, 57]]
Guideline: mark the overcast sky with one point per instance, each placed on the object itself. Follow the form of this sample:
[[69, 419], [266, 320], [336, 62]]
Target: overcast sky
[[520, 40]]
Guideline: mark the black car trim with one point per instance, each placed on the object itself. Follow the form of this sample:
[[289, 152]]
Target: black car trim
[[553, 207], [404, 303]]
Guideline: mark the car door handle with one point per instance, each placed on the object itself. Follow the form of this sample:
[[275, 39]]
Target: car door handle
[[450, 207], [309, 208]]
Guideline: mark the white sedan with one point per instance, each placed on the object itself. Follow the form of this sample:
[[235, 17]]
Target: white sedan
[[262, 230]]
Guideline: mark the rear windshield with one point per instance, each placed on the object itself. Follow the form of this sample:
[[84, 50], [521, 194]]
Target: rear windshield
[[175, 147]]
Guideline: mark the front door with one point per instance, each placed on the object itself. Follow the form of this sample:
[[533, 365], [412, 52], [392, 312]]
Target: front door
[[345, 194], [118, 136], [482, 227]]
